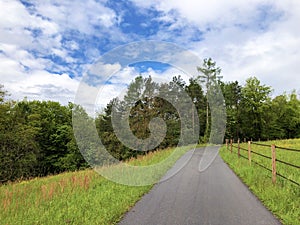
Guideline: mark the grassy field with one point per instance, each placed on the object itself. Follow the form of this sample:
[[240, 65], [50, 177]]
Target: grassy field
[[82, 197], [283, 197]]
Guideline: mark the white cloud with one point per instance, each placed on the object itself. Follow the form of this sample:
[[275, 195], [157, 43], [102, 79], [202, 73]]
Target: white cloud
[[246, 38], [72, 45], [254, 37], [101, 69], [39, 28], [16, 24], [272, 54], [206, 13], [271, 57], [23, 75], [124, 76], [78, 15], [40, 85], [49, 86]]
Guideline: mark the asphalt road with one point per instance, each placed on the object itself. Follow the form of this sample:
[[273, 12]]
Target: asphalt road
[[213, 197]]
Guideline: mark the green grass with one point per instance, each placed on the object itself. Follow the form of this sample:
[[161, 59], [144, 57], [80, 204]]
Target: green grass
[[82, 197], [283, 198]]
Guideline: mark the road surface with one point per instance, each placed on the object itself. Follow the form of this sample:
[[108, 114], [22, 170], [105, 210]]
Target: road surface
[[213, 197]]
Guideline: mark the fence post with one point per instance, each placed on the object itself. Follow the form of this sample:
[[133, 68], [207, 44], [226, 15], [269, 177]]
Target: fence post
[[231, 145], [249, 152], [273, 148], [227, 144], [239, 148], [245, 140]]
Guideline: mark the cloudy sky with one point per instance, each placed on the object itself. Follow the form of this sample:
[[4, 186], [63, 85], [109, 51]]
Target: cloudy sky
[[47, 46]]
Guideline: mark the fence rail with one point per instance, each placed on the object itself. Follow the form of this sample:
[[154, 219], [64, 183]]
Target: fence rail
[[260, 144], [272, 157], [288, 149]]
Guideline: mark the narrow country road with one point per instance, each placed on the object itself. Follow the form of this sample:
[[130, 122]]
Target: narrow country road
[[213, 197]]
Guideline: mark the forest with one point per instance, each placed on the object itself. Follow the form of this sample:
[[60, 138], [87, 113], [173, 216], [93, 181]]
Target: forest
[[37, 138]]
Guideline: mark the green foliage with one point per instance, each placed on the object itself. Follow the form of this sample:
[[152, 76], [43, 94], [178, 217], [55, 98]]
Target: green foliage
[[254, 98], [232, 96], [36, 139], [253, 114], [145, 100], [2, 94], [195, 91], [282, 117], [209, 75]]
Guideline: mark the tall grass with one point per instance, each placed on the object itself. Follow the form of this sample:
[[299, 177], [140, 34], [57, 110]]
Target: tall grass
[[82, 197], [283, 197]]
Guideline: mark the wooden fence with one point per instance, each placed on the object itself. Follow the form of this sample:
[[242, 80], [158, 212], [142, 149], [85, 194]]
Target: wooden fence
[[250, 150]]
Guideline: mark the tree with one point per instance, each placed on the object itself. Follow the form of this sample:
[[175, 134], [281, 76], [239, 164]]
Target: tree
[[254, 98], [276, 118], [36, 139], [3, 93], [18, 148], [143, 101], [293, 116], [232, 96], [195, 91], [210, 76]]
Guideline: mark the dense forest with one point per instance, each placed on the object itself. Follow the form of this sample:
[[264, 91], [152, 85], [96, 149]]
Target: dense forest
[[36, 137]]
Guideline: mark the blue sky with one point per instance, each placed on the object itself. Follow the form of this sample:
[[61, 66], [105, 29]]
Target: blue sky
[[143, 67], [47, 46]]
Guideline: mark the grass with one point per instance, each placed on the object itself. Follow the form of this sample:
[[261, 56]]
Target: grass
[[281, 198], [82, 197]]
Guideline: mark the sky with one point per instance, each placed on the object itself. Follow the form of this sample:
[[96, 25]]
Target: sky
[[46, 47]]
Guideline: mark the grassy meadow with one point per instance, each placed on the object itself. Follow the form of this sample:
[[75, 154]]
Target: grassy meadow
[[283, 197], [82, 197]]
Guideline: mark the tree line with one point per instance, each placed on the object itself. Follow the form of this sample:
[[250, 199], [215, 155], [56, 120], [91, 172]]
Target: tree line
[[253, 114], [251, 111], [37, 139]]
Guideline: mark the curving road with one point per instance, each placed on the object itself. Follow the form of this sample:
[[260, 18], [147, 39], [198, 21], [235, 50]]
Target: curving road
[[213, 197]]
